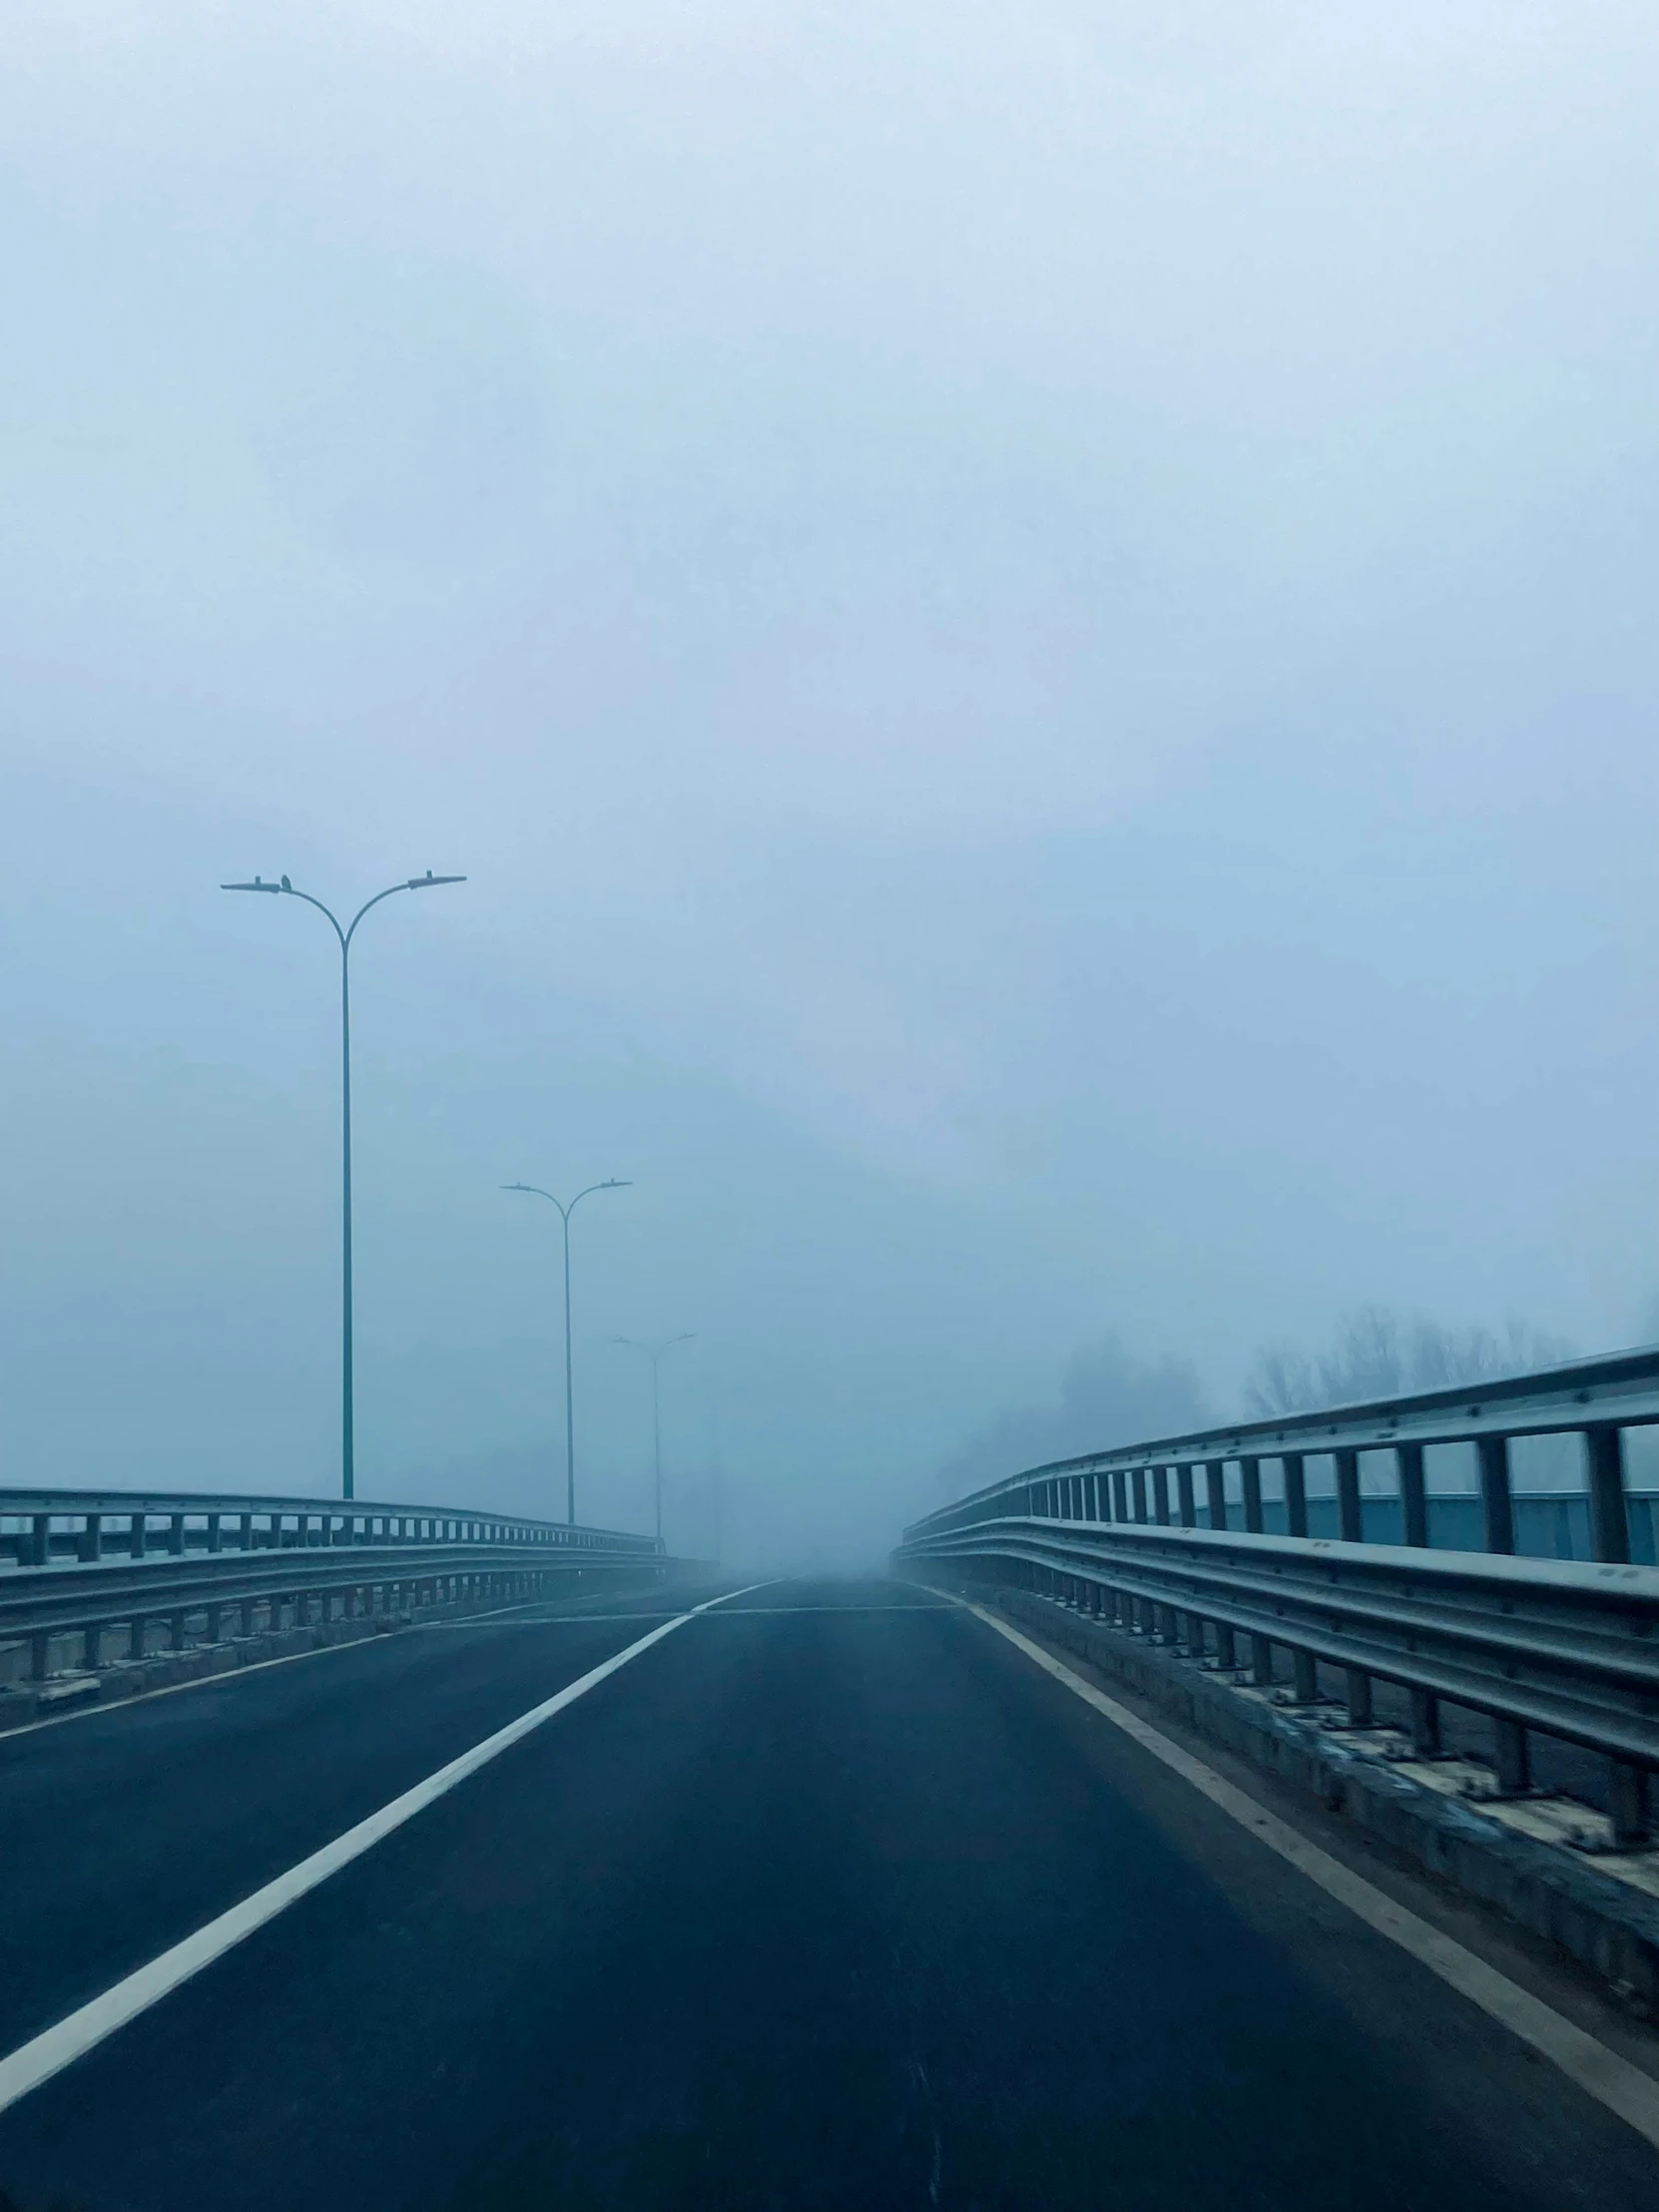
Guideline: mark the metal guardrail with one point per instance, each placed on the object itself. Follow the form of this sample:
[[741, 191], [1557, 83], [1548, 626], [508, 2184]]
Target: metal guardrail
[[78, 1567], [1565, 1648], [38, 1527]]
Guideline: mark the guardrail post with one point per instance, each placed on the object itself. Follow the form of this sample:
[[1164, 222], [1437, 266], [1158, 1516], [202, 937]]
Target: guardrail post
[[1120, 1494], [216, 1537], [1215, 1491], [39, 1655], [1358, 1698], [1250, 1475], [1497, 1506], [43, 1540], [1413, 1494], [1426, 1724], [176, 1631], [1306, 1679], [1514, 1767], [1184, 1497], [1296, 1494], [175, 1535], [138, 1534], [1628, 1792], [1137, 1482], [92, 1538], [1160, 1497], [1609, 1514], [137, 1635], [1261, 1662], [1349, 1528], [92, 1647]]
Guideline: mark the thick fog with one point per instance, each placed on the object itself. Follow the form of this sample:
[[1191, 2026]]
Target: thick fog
[[1033, 624]]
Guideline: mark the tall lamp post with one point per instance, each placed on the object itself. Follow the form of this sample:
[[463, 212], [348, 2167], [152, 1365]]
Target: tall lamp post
[[535, 1191], [654, 1354], [283, 889]]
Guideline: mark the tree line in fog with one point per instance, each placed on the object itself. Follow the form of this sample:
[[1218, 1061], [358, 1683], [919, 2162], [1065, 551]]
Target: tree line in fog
[[1110, 1396]]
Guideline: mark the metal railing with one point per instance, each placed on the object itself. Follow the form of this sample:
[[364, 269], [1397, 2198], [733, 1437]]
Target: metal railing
[[84, 1571], [1565, 1648]]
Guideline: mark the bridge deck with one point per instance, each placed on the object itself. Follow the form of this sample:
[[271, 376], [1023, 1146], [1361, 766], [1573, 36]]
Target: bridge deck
[[832, 1898]]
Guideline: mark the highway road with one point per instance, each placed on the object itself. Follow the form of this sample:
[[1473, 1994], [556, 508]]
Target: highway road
[[830, 1898]]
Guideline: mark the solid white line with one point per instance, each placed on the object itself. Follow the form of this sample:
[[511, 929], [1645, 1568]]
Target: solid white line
[[1610, 2079], [80, 2030]]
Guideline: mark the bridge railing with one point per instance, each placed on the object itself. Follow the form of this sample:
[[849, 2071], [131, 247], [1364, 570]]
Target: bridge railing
[[38, 1527], [90, 1578], [1170, 1540]]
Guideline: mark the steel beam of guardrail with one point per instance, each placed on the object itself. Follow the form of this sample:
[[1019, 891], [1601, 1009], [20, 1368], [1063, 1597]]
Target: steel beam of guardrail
[[1563, 1648], [76, 1565], [38, 1527]]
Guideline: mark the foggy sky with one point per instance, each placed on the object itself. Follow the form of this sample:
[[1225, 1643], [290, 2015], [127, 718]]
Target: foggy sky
[[1034, 626]]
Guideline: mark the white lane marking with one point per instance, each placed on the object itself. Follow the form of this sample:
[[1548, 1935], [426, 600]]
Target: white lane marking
[[583, 1620], [1610, 2079], [80, 2030], [553, 1620], [227, 1675]]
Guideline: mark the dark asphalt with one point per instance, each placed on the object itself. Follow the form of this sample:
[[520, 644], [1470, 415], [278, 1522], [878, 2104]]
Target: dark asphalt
[[831, 1899]]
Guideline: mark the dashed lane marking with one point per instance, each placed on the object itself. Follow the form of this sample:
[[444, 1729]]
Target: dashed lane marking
[[83, 2030]]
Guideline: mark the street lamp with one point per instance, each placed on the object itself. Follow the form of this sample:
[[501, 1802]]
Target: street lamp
[[654, 1353], [426, 883], [535, 1189]]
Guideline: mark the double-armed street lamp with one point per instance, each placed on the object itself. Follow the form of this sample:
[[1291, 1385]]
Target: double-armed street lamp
[[654, 1354], [281, 888], [535, 1189]]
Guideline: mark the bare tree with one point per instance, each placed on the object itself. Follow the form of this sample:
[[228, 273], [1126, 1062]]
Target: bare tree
[[1375, 1356], [1107, 1397]]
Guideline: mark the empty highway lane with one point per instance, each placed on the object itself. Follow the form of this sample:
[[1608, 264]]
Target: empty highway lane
[[829, 1897]]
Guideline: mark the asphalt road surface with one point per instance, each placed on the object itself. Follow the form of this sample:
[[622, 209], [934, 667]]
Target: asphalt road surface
[[829, 1898]]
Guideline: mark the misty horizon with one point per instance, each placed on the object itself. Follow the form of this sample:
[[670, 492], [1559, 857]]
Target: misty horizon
[[1037, 650]]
